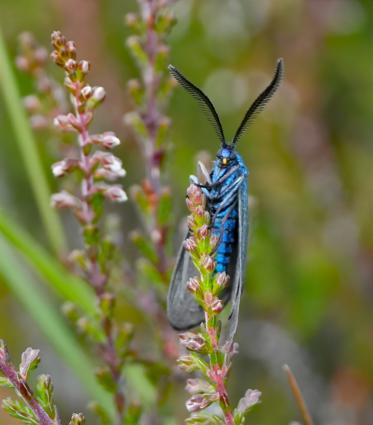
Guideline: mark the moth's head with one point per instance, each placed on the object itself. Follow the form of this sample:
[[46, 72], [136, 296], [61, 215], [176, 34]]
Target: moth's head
[[226, 156]]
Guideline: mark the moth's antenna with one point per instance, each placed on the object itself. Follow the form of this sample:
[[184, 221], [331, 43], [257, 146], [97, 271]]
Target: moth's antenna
[[203, 100], [260, 101]]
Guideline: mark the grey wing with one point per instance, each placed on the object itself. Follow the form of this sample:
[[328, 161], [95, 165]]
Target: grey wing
[[183, 312], [243, 233]]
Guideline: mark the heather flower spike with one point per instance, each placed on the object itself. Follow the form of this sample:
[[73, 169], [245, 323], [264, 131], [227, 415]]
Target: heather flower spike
[[210, 355], [97, 171]]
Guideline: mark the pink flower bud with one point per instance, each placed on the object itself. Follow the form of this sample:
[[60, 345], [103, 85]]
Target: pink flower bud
[[38, 122], [199, 211], [190, 244], [192, 341], [57, 39], [63, 167], [71, 49], [108, 140], [193, 284], [87, 92], [213, 303], [115, 193], [110, 163], [190, 222], [64, 200], [84, 66], [222, 280], [31, 103], [70, 66], [203, 231], [98, 94], [41, 55], [22, 63], [65, 122], [208, 263]]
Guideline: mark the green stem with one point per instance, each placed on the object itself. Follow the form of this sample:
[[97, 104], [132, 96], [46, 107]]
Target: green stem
[[30, 156]]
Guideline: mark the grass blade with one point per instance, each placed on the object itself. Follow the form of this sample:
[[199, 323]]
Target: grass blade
[[29, 153], [298, 396], [64, 284]]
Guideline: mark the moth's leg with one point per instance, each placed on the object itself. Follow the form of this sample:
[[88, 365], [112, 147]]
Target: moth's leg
[[232, 188], [205, 173], [222, 179], [205, 187]]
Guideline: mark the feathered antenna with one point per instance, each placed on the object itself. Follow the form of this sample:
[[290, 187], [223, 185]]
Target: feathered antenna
[[260, 101], [203, 100]]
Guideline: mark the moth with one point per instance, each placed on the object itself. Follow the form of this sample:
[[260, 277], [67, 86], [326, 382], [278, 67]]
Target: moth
[[226, 192]]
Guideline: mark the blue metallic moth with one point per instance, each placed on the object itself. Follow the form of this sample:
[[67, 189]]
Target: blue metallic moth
[[226, 192]]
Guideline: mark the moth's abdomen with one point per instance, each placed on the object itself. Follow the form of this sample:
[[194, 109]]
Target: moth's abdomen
[[226, 231]]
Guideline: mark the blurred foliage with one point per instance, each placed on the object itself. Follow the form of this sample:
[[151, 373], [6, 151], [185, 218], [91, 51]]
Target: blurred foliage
[[308, 296]]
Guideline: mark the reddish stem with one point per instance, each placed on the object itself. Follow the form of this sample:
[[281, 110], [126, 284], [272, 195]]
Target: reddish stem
[[26, 393], [95, 276]]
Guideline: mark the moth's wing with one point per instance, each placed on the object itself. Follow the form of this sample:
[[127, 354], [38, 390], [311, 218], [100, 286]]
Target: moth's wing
[[183, 311], [238, 275]]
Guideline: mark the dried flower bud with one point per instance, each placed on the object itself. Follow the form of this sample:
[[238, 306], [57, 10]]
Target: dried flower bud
[[193, 342], [64, 200], [193, 284], [190, 244], [77, 419], [29, 360], [251, 398], [186, 363], [196, 386], [200, 401]]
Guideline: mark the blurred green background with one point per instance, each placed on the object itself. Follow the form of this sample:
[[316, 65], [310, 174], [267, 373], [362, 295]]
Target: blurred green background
[[309, 287]]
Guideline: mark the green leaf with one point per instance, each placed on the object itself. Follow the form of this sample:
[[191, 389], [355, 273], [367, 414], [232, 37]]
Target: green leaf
[[29, 153], [19, 410]]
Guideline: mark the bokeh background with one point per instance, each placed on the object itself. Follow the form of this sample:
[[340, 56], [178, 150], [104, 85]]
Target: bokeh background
[[309, 287]]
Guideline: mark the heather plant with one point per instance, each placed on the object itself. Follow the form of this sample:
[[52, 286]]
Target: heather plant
[[32, 406], [96, 169], [210, 353], [150, 93]]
